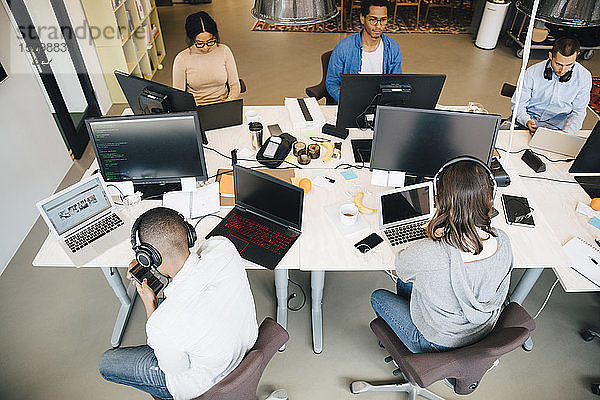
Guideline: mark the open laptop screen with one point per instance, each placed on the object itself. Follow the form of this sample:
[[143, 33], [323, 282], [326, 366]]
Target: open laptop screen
[[404, 205], [74, 206], [267, 195]]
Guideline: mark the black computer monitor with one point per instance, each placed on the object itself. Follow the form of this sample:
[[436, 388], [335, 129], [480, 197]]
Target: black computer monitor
[[419, 142], [152, 151], [360, 94], [588, 159], [147, 97]]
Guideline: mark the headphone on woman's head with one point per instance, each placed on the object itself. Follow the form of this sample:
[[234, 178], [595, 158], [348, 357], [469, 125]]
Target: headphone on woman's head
[[146, 254], [548, 73], [465, 158]]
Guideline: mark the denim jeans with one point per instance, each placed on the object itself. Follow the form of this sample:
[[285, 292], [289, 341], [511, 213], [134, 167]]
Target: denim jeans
[[394, 308], [137, 367]]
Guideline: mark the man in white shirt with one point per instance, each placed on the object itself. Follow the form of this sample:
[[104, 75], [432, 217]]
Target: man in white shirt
[[556, 92], [205, 325]]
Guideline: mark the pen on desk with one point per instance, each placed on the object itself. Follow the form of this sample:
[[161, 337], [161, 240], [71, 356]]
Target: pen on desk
[[598, 241], [594, 261], [331, 180]]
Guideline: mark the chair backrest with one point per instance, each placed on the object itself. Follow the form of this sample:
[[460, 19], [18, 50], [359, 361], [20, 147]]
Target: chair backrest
[[319, 90], [466, 364], [242, 382]]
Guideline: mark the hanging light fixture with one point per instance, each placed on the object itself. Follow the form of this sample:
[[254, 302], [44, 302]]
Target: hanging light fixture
[[294, 12], [575, 13]]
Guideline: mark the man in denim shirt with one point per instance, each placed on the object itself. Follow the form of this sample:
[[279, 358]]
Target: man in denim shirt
[[556, 92], [366, 52]]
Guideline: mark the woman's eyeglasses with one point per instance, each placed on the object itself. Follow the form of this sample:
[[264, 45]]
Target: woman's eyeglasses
[[208, 43]]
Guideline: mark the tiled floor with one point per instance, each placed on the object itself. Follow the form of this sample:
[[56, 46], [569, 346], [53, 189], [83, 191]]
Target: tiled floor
[[56, 322]]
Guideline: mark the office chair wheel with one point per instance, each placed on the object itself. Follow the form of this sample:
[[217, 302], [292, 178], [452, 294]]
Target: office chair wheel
[[596, 388], [587, 335], [357, 387]]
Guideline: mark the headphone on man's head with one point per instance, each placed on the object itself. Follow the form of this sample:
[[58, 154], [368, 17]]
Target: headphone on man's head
[[548, 73], [465, 158], [146, 254]]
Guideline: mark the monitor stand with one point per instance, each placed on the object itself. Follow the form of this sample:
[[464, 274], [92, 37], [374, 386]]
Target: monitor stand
[[413, 179], [156, 190]]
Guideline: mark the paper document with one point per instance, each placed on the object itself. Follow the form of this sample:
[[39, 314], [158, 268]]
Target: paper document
[[203, 201], [585, 259]]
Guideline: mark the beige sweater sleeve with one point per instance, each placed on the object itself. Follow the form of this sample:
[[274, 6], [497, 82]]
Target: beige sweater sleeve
[[233, 80], [179, 72]]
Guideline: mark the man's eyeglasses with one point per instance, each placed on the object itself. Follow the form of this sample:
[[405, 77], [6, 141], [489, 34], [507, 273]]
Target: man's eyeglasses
[[208, 43], [375, 20]]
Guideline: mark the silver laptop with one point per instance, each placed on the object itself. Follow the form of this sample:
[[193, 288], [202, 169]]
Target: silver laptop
[[403, 212], [557, 142], [84, 219]]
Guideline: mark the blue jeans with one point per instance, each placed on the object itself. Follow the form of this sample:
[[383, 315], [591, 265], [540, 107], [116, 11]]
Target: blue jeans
[[395, 311], [137, 367]]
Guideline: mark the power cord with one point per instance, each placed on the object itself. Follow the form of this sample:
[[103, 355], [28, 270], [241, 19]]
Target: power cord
[[362, 115], [547, 179], [248, 159], [293, 296], [546, 301], [200, 218], [537, 154]]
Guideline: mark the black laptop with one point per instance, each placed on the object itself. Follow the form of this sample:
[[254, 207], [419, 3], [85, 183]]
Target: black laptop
[[266, 219], [221, 115]]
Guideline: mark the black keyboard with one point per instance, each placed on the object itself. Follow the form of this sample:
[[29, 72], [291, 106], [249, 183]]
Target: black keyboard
[[79, 240], [260, 235], [405, 233]]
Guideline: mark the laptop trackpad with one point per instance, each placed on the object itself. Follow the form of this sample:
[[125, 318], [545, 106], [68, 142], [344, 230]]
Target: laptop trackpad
[[240, 244]]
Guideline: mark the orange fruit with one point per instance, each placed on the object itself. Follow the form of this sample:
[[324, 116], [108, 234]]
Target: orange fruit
[[305, 184], [595, 204]]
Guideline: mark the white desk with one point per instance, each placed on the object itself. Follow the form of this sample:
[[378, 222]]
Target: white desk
[[321, 247]]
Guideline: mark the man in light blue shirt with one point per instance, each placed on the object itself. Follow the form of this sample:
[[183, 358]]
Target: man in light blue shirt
[[366, 52], [556, 92]]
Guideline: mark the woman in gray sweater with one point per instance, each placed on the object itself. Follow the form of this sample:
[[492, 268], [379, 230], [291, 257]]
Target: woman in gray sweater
[[452, 285]]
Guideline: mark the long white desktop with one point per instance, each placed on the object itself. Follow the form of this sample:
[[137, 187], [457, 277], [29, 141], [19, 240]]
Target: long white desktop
[[321, 247]]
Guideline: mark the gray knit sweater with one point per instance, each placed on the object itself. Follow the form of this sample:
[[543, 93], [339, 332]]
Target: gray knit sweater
[[454, 303]]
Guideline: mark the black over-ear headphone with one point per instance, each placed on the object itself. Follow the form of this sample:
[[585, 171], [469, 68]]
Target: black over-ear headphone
[[548, 73], [146, 254], [465, 158]]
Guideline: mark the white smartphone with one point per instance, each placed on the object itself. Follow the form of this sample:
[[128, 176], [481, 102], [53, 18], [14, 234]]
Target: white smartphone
[[272, 146]]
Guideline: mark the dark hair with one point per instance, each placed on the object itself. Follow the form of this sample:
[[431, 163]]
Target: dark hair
[[163, 228], [197, 23], [365, 6], [464, 198], [567, 46]]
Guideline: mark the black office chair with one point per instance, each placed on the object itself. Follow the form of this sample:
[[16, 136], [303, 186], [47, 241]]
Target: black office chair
[[319, 90], [588, 335], [465, 366]]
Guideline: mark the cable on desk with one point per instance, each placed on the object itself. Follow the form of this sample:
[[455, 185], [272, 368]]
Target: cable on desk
[[248, 159], [538, 154], [547, 298], [547, 179], [364, 113], [121, 195], [200, 218], [293, 295]]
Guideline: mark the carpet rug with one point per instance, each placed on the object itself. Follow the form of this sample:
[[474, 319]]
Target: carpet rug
[[595, 95], [439, 20]]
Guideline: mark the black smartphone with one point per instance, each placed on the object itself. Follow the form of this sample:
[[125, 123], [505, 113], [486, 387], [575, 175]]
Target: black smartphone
[[517, 211], [368, 243], [140, 273], [274, 130]]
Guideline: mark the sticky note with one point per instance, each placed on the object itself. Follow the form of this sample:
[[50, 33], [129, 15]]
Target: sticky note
[[379, 177], [595, 222], [396, 178], [188, 184], [349, 175]]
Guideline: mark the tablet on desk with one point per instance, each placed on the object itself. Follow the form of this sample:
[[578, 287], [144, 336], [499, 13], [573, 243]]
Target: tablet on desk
[[557, 142]]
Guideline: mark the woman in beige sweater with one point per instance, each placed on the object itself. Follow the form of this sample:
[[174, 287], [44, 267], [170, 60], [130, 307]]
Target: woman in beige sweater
[[206, 68]]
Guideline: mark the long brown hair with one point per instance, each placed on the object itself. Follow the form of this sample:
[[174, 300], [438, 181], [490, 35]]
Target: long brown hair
[[464, 199]]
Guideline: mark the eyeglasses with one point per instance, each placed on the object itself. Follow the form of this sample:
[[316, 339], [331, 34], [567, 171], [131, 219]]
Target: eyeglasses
[[208, 43], [375, 20]]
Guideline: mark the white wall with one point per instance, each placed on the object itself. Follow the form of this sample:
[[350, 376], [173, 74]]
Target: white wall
[[33, 156]]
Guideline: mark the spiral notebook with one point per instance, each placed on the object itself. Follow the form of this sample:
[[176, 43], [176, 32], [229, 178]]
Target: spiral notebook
[[585, 259]]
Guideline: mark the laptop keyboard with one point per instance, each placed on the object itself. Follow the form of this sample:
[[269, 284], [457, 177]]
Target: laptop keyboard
[[263, 236], [93, 232], [405, 233]]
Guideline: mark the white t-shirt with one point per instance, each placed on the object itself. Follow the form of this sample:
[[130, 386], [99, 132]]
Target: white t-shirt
[[207, 323], [372, 63]]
